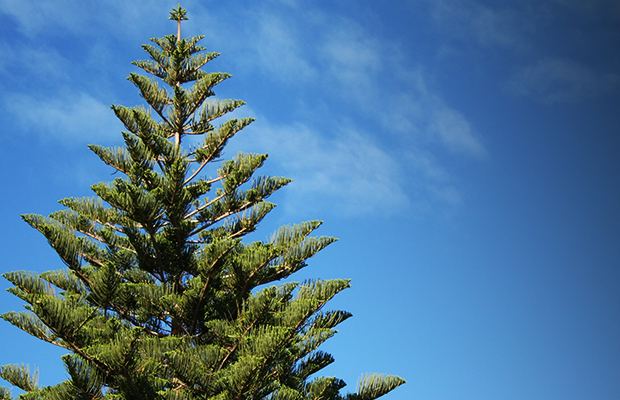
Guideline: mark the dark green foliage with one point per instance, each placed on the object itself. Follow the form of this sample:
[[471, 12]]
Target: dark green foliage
[[161, 299]]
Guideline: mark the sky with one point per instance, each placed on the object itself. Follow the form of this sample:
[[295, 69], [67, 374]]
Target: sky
[[464, 152]]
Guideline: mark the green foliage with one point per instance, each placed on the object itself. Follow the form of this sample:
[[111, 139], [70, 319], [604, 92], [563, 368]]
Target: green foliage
[[161, 298]]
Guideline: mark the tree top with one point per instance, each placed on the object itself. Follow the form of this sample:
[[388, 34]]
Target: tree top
[[179, 14]]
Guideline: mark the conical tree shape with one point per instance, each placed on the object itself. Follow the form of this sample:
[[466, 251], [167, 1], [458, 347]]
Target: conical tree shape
[[161, 298]]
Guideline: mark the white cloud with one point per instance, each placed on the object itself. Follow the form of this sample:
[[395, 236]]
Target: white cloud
[[353, 58], [360, 69], [279, 51], [420, 117], [35, 17], [347, 173], [455, 131], [555, 80], [437, 185], [75, 118], [77, 17], [42, 62]]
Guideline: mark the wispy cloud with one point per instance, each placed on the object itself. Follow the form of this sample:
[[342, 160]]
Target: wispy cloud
[[74, 118], [455, 131], [352, 58], [554, 80], [434, 189], [36, 17], [421, 112], [279, 50], [43, 63], [469, 20], [347, 173], [75, 17]]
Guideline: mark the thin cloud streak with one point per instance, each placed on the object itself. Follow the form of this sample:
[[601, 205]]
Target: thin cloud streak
[[74, 17], [348, 173], [472, 21], [43, 63], [423, 111], [278, 42], [353, 58], [73, 118], [359, 65]]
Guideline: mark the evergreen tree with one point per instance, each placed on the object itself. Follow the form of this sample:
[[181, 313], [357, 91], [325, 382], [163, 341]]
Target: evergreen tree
[[161, 299]]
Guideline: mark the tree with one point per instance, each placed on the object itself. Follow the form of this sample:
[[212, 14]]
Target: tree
[[161, 298]]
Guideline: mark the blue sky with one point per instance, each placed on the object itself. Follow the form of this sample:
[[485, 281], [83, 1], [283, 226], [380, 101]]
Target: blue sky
[[464, 152]]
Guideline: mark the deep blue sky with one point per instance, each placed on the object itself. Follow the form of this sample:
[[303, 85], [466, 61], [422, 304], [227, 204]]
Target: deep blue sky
[[464, 152]]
